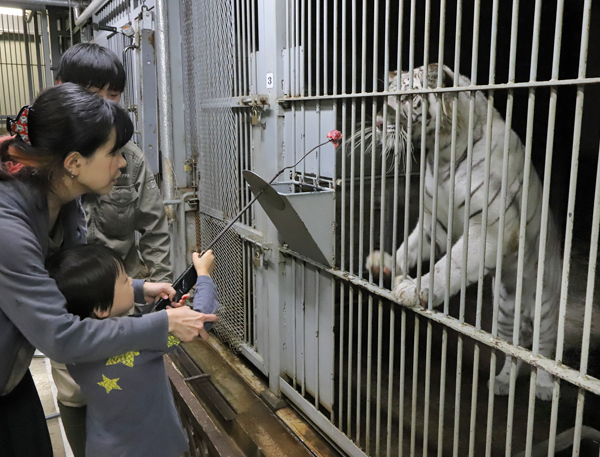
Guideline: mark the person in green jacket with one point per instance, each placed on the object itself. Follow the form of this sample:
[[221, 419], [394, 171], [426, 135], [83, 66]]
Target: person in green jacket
[[131, 219]]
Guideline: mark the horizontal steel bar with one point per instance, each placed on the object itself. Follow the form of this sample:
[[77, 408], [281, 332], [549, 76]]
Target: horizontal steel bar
[[557, 369], [444, 90]]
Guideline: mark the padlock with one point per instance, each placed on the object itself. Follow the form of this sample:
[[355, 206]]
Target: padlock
[[257, 259], [254, 116]]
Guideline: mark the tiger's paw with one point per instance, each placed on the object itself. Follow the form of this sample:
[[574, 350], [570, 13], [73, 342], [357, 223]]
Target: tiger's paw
[[373, 263], [405, 292], [501, 386], [544, 386]]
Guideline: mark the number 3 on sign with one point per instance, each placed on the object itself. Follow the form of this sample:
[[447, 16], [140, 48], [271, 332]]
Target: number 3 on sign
[[270, 82]]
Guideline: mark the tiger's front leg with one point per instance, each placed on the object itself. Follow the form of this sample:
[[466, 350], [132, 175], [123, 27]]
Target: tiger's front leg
[[405, 290]]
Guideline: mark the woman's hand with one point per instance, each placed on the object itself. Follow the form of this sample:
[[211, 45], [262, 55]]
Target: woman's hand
[[155, 290], [187, 324], [204, 265]]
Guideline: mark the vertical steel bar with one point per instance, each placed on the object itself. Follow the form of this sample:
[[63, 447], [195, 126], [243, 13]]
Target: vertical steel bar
[[317, 346], [422, 196], [379, 378], [343, 204], [244, 283], [450, 225], [545, 205], [310, 65], [303, 266], [395, 246], [238, 79], [352, 232], [502, 211], [341, 357], [402, 383], [583, 56], [411, 66], [368, 437], [294, 326], [381, 233], [415, 382], [352, 145], [388, 448], [359, 319], [325, 36], [486, 185], [351, 248], [344, 180], [318, 49], [523, 226], [401, 368], [24, 57], [349, 362], [288, 46], [409, 129], [439, 100], [371, 218], [38, 43], [424, 108], [363, 84], [299, 49], [254, 49], [249, 65], [467, 210], [5, 105], [13, 70], [382, 196], [397, 145]]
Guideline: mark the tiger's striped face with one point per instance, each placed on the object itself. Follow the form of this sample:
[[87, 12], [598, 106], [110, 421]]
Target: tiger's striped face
[[411, 106]]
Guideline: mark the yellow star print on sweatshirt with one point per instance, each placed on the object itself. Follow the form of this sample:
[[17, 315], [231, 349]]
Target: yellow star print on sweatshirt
[[109, 384], [126, 359]]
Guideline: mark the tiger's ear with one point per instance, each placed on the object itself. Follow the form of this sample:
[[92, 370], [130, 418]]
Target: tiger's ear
[[392, 75], [448, 78]]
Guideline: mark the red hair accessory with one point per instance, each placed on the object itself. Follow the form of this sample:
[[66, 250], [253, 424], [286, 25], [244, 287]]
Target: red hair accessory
[[336, 137], [13, 167], [19, 126]]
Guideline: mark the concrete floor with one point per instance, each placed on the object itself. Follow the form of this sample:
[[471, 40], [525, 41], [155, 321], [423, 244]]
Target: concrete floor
[[40, 370]]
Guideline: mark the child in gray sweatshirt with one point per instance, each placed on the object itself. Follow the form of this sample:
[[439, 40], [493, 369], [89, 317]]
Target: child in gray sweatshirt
[[130, 408]]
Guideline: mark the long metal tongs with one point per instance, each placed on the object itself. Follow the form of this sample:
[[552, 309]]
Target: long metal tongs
[[187, 279]]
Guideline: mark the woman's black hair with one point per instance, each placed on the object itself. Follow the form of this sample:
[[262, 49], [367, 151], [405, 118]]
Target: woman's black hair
[[91, 65], [86, 276], [64, 119]]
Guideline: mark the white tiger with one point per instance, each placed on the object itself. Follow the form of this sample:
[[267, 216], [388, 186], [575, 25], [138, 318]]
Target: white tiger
[[405, 290]]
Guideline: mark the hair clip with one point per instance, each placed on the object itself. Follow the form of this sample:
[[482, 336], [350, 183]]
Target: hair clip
[[19, 126]]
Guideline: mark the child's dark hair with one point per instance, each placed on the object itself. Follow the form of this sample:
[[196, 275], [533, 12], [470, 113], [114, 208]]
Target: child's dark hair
[[86, 276], [63, 119], [91, 65]]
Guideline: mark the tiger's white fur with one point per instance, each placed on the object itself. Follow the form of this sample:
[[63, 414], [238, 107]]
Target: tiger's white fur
[[405, 290]]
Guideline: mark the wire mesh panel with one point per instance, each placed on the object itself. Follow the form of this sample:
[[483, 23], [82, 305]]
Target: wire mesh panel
[[188, 43], [217, 123], [233, 283], [221, 137]]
